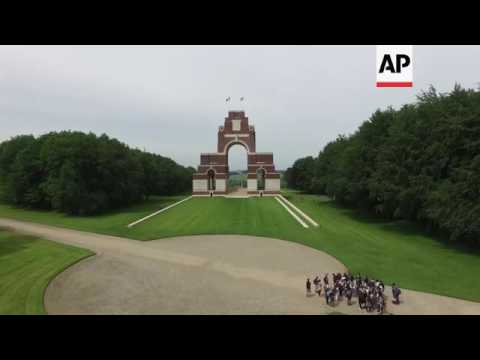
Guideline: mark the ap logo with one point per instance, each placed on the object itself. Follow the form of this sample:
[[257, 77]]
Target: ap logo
[[394, 66]]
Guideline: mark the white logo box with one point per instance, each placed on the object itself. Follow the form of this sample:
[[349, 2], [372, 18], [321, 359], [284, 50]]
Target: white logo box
[[396, 61]]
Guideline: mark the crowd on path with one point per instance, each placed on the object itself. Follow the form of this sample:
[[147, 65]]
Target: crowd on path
[[369, 292]]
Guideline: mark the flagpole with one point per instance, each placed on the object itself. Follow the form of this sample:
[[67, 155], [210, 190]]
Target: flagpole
[[227, 100]]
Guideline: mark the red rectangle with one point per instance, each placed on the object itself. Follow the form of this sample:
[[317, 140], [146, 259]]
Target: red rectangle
[[394, 84]]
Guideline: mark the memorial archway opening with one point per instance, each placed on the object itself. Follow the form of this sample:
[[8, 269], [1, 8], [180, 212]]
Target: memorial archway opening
[[237, 160]]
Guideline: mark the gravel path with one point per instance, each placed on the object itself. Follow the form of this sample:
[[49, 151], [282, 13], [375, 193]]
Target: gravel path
[[208, 274]]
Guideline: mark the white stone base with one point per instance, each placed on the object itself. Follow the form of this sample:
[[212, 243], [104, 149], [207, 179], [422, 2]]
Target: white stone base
[[272, 184], [200, 185], [252, 185], [221, 185]]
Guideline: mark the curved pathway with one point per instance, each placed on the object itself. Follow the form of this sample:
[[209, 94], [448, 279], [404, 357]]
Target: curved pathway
[[208, 274]]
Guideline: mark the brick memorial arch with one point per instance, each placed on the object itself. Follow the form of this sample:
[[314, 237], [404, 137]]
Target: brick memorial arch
[[212, 174]]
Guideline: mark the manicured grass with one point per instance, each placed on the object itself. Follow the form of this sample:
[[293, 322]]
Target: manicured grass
[[392, 251], [218, 215], [27, 264], [111, 223]]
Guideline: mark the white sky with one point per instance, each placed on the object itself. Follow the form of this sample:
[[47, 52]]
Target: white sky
[[171, 99]]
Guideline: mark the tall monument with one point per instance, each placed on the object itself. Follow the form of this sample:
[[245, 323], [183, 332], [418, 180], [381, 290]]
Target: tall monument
[[212, 175]]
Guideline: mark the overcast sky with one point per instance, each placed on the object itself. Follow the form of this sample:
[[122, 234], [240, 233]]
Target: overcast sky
[[171, 99]]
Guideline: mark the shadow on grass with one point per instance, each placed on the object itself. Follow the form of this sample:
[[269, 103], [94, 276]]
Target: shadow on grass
[[11, 242], [151, 204], [401, 227]]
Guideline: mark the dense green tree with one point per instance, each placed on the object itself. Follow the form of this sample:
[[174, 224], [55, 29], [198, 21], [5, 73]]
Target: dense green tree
[[301, 174], [421, 163], [10, 149], [83, 174]]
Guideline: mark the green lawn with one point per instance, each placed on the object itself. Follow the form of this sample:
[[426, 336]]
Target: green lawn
[[27, 264], [111, 223], [393, 251]]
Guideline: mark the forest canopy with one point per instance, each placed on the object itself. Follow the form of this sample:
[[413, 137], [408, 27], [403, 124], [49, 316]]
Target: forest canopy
[[419, 163], [84, 174]]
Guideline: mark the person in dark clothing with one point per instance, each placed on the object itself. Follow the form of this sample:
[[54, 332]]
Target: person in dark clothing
[[318, 285], [348, 293], [331, 296], [382, 286], [370, 302], [361, 299], [380, 303], [396, 294], [309, 287], [325, 279]]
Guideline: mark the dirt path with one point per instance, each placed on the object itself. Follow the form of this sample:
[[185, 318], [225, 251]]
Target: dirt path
[[211, 274]]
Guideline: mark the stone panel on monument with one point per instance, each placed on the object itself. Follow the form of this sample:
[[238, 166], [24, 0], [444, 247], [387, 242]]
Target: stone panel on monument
[[200, 185], [252, 185], [272, 185]]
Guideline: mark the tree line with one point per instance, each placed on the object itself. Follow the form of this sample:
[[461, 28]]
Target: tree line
[[84, 174], [419, 163]]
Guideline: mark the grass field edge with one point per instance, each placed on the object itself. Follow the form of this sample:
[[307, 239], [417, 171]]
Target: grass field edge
[[59, 271]]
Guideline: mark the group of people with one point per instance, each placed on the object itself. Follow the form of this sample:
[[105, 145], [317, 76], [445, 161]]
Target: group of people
[[369, 292]]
